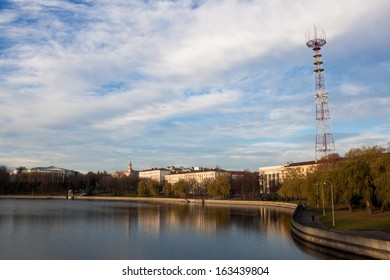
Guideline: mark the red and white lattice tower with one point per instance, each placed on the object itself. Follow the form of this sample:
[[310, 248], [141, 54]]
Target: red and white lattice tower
[[324, 135]]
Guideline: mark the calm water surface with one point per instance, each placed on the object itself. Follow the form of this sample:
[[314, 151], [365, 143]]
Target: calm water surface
[[61, 229]]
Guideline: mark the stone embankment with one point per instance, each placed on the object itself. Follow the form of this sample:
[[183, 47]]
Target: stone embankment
[[306, 225], [286, 205], [291, 206]]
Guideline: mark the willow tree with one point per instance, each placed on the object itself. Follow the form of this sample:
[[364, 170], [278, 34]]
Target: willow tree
[[294, 186], [148, 187], [220, 187], [168, 189], [358, 183], [381, 174], [142, 188], [358, 174], [181, 188]]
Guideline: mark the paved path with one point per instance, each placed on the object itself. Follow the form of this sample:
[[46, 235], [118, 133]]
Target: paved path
[[305, 217], [308, 216]]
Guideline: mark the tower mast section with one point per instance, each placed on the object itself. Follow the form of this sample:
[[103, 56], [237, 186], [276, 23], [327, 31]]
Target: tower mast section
[[324, 142]]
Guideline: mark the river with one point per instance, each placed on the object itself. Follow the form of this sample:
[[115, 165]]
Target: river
[[100, 230]]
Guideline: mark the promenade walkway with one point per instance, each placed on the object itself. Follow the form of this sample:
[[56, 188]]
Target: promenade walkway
[[305, 217]]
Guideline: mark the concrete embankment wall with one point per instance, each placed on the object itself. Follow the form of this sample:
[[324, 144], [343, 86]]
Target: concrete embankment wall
[[360, 245], [33, 197], [291, 206], [196, 201]]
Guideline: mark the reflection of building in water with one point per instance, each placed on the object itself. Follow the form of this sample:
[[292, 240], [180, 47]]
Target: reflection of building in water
[[149, 219], [191, 216], [155, 219], [271, 177], [128, 220], [202, 221], [276, 220]]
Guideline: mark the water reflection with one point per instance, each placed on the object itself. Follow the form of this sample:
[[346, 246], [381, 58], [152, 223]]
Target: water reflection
[[48, 229]]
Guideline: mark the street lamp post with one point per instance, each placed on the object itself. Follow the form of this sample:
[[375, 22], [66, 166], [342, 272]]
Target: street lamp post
[[331, 190]]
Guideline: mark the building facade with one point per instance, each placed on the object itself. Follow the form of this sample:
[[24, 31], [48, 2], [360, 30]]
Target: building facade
[[198, 176], [271, 177], [157, 174], [52, 173], [129, 172]]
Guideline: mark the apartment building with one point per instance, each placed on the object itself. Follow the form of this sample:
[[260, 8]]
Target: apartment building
[[53, 173], [199, 176], [157, 174], [271, 177]]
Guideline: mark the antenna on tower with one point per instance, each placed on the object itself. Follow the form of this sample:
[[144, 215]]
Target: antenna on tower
[[324, 137]]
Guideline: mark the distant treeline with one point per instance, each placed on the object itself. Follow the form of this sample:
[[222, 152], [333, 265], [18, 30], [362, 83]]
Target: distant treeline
[[102, 183], [47, 183]]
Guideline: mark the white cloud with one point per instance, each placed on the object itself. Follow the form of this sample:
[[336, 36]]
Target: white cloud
[[350, 89]]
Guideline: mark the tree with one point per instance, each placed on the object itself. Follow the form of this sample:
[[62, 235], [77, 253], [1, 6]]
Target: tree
[[148, 187], [381, 175], [293, 184], [142, 189], [365, 152], [91, 179], [357, 180], [181, 188], [359, 176], [220, 187], [246, 185], [329, 162], [168, 189], [4, 179], [153, 187]]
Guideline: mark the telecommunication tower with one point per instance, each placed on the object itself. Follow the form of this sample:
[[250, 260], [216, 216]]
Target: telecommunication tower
[[324, 135]]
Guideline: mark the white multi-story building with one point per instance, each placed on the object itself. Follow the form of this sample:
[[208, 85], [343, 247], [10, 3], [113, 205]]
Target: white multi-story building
[[271, 177], [55, 174], [154, 174], [198, 176]]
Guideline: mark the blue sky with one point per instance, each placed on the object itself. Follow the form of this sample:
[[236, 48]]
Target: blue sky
[[86, 85]]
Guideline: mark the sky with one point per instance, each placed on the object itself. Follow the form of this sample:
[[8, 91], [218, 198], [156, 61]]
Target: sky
[[89, 85]]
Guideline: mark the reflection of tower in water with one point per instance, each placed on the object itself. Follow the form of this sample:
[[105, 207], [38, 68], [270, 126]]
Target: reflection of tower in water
[[324, 142]]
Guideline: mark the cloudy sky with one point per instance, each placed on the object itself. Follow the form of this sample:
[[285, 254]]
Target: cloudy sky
[[90, 84]]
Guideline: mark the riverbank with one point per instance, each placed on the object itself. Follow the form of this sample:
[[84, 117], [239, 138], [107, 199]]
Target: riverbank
[[306, 225], [291, 206]]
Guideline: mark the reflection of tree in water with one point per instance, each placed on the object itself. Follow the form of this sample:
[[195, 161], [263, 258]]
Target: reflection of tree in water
[[212, 218], [196, 217], [262, 219]]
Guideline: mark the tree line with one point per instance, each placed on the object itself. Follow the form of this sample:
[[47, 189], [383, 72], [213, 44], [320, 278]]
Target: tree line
[[47, 183], [225, 186], [359, 179], [245, 186]]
